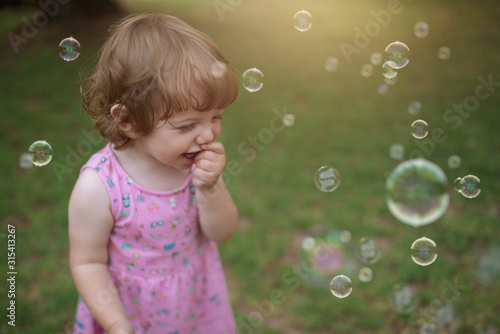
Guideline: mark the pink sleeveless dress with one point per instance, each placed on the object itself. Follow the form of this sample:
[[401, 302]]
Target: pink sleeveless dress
[[168, 274]]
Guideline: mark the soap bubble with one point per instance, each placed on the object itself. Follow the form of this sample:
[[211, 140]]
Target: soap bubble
[[341, 286], [327, 179], [288, 120], [468, 186], [367, 251], [308, 243], [404, 299], [252, 79], [365, 274], [396, 151], [416, 192], [421, 29], [41, 153], [367, 70], [25, 161], [419, 129], [345, 236], [389, 69], [454, 161], [414, 107], [69, 49], [398, 53], [324, 255], [423, 251], [383, 89], [302, 21], [376, 59], [444, 52], [331, 64]]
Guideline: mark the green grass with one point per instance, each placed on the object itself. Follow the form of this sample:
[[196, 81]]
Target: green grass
[[340, 120]]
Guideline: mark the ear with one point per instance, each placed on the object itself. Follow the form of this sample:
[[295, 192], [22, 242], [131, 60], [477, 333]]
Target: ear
[[120, 115]]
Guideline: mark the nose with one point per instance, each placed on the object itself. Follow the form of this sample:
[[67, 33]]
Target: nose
[[206, 136]]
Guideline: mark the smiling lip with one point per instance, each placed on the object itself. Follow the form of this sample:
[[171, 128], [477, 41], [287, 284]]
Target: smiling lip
[[191, 155]]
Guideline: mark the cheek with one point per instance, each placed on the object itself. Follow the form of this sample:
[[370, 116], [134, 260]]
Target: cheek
[[216, 130]]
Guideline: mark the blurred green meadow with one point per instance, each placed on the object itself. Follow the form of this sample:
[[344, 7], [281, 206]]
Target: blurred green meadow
[[340, 120]]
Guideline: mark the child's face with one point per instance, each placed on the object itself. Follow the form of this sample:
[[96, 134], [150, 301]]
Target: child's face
[[176, 142]]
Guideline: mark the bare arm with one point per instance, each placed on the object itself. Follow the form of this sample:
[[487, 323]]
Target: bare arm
[[90, 224], [218, 213]]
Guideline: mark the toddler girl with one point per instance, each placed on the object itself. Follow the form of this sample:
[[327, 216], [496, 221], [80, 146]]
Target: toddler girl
[[147, 210]]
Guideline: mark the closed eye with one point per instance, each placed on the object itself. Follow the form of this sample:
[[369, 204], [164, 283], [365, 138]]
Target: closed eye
[[187, 128], [217, 117]]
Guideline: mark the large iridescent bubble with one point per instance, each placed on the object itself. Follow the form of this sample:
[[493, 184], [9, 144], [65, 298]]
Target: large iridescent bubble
[[416, 192]]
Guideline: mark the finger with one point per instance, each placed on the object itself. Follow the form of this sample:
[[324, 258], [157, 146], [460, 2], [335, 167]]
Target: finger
[[218, 160], [208, 165], [215, 146]]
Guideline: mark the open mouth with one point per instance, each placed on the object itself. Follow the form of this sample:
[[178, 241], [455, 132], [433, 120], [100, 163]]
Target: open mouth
[[190, 155]]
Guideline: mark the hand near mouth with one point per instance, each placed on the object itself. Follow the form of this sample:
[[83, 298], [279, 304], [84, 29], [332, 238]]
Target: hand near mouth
[[210, 163]]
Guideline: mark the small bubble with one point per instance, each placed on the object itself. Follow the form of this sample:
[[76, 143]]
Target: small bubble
[[302, 21], [423, 251], [252, 80], [419, 129], [376, 59], [25, 161], [345, 236], [414, 107], [365, 274], [69, 49], [341, 286], [457, 185], [331, 64], [388, 69], [454, 161], [468, 186], [398, 53], [367, 251], [421, 29], [403, 299], [288, 120], [327, 179], [308, 243], [383, 89], [444, 52], [41, 153], [367, 70], [396, 151]]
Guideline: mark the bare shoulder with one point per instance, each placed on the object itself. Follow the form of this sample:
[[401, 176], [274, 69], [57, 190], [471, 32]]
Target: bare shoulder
[[89, 205]]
